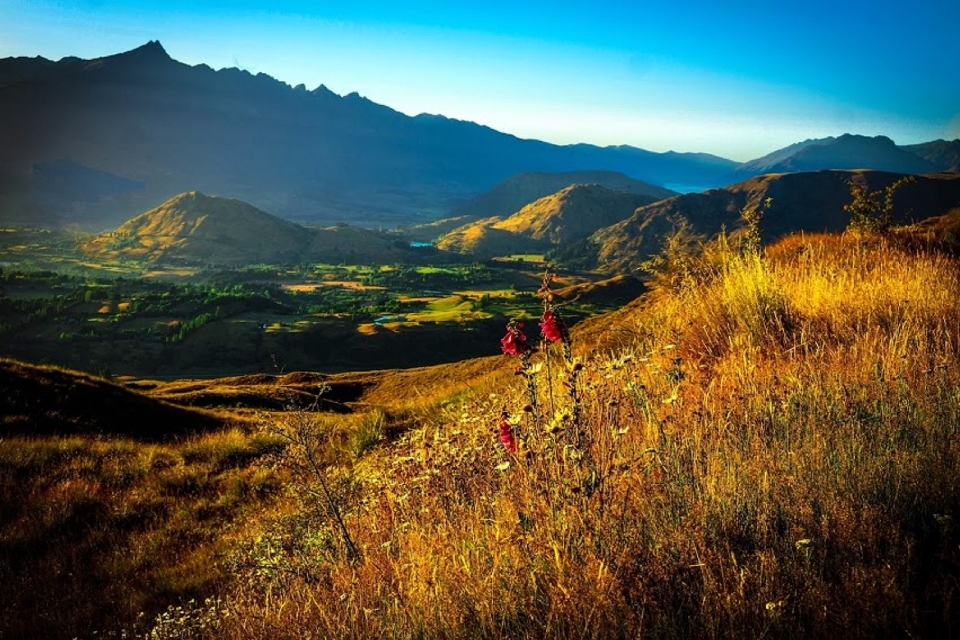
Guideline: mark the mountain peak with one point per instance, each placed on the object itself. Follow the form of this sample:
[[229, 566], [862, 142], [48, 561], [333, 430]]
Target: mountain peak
[[152, 50], [149, 56]]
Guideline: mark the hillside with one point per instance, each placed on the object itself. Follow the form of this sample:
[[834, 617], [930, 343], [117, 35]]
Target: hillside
[[194, 228], [165, 128], [516, 192], [569, 215], [810, 202], [942, 153], [43, 401]]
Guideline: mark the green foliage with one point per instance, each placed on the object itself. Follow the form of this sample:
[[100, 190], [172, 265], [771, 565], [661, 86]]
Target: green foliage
[[370, 432], [872, 211]]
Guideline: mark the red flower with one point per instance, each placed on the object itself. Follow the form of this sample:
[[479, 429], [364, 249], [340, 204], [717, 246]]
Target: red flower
[[514, 343], [507, 439], [552, 327]]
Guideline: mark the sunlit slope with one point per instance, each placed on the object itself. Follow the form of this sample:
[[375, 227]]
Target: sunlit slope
[[195, 228], [768, 446], [566, 216], [514, 193]]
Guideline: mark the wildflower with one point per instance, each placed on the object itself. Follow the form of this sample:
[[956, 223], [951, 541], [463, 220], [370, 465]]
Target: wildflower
[[507, 439], [552, 327], [515, 342]]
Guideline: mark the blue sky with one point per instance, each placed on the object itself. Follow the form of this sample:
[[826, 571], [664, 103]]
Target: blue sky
[[738, 78]]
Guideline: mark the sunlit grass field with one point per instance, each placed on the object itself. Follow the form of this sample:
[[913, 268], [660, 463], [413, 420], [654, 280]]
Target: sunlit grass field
[[762, 446]]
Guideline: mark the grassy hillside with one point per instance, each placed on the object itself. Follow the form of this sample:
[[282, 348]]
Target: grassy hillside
[[517, 191], [810, 202], [570, 214], [194, 228], [762, 446]]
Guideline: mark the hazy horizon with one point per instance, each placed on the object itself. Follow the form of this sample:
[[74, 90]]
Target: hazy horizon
[[738, 81]]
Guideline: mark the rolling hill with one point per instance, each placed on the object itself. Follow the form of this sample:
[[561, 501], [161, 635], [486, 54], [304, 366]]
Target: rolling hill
[[569, 215], [194, 228], [811, 201], [44, 400], [514, 193]]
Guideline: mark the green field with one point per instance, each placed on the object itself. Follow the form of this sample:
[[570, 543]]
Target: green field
[[59, 306]]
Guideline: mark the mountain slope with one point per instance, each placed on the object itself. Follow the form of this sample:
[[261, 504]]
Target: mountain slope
[[514, 193], [810, 201], [194, 227], [845, 152], [766, 164], [308, 155], [571, 214], [944, 154], [41, 400], [200, 229]]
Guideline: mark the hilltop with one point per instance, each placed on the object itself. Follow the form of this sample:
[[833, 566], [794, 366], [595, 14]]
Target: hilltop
[[560, 218], [944, 154], [516, 192], [848, 152], [194, 228]]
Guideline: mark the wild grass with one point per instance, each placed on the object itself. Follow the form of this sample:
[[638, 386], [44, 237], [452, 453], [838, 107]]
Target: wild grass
[[772, 450], [94, 531], [775, 454]]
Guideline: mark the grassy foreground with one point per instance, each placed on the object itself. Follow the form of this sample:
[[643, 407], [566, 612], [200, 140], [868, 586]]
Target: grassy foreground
[[761, 447], [770, 450]]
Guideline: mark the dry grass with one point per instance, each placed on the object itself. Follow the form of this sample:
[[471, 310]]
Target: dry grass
[[94, 531], [774, 455], [771, 450]]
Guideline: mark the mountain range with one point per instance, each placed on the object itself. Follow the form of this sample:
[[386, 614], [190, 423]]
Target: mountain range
[[93, 142], [585, 225]]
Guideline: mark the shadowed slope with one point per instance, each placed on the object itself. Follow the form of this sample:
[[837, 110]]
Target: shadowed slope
[[39, 400], [800, 202]]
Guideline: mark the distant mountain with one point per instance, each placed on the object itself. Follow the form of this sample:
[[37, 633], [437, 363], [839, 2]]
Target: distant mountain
[[514, 193], [845, 152], [571, 214], [800, 202], [946, 155], [767, 163], [194, 228], [305, 155]]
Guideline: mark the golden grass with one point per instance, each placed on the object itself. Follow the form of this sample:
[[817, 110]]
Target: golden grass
[[772, 449], [775, 454], [93, 531]]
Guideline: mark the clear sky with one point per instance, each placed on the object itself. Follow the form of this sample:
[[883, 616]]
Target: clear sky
[[738, 78]]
